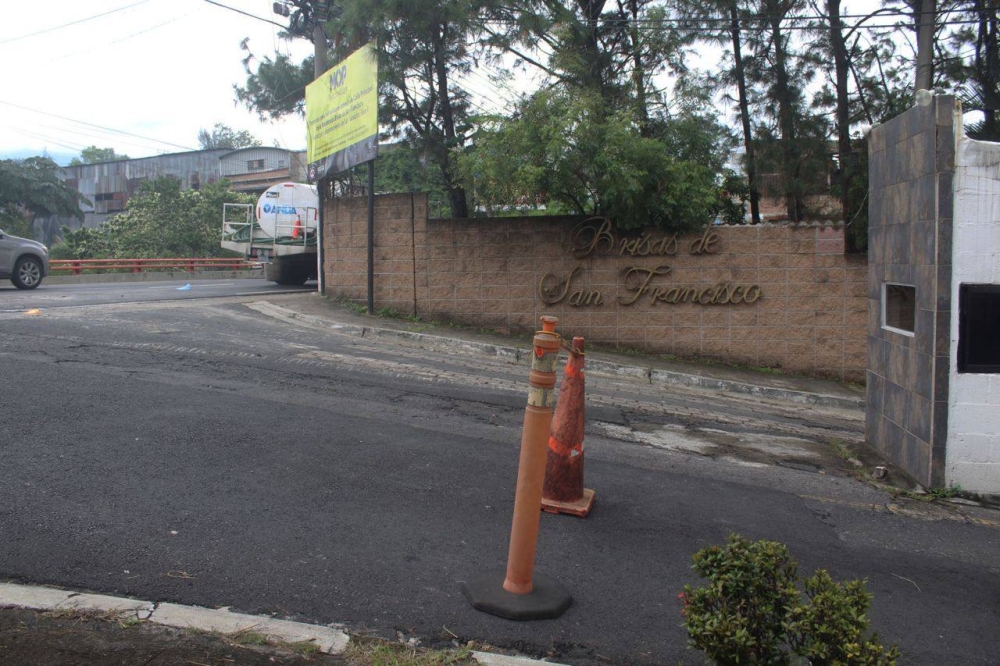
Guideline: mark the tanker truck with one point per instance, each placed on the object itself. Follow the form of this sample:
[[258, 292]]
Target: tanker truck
[[280, 232]]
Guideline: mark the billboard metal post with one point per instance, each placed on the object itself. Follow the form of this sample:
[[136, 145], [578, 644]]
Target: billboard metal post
[[319, 66], [371, 237], [320, 277]]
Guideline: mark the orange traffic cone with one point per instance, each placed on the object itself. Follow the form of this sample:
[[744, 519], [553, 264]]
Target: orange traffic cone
[[297, 229], [563, 491]]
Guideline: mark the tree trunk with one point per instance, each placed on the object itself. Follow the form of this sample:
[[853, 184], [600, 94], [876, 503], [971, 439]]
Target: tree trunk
[[741, 84], [456, 194], [986, 62], [786, 115], [925, 45], [638, 71], [593, 76], [848, 165]]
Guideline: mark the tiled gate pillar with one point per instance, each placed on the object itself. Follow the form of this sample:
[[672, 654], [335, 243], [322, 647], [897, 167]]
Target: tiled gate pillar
[[912, 166]]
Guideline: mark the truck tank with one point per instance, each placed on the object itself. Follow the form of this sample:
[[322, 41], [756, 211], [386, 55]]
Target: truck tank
[[283, 207]]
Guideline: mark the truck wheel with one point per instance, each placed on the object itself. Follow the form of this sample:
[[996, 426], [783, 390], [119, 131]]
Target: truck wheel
[[294, 276], [27, 273], [272, 271], [286, 274]]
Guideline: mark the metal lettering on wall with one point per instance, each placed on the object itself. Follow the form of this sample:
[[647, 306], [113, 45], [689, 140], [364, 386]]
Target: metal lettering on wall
[[596, 236]]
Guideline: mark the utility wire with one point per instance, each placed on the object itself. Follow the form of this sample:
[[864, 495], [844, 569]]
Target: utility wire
[[490, 96], [240, 11], [77, 22], [102, 127], [95, 136], [711, 22], [64, 143], [121, 39]]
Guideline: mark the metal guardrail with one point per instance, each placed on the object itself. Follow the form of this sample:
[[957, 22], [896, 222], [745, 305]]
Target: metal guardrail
[[189, 265]]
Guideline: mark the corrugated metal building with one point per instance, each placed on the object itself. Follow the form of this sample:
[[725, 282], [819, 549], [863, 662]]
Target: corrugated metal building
[[256, 169], [108, 185]]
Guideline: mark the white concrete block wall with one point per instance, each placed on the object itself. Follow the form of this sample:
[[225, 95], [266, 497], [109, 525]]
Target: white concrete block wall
[[972, 458]]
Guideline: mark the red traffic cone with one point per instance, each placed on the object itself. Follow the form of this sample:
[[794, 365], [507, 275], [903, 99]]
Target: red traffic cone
[[563, 491], [297, 228]]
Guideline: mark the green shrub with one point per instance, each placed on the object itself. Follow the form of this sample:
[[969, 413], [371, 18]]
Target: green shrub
[[61, 251], [752, 612]]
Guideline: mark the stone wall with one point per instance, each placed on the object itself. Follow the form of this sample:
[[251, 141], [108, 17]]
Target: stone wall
[[912, 162], [807, 310]]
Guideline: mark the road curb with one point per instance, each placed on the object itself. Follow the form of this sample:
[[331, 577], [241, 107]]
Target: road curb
[[328, 639], [219, 620], [223, 621], [519, 355], [493, 659]]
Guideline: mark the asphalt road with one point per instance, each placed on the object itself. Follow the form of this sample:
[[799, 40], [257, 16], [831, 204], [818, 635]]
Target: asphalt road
[[76, 295], [196, 451]]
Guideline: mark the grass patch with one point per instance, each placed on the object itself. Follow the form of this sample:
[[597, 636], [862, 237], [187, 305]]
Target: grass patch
[[934, 494], [304, 648], [370, 651], [840, 449], [844, 453], [123, 618], [249, 637], [945, 493], [360, 308]]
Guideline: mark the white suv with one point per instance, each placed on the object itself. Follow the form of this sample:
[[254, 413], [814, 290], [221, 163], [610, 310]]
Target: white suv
[[24, 262]]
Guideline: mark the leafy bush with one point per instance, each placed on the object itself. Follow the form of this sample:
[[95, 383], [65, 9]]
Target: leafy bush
[[161, 220], [570, 153], [751, 611]]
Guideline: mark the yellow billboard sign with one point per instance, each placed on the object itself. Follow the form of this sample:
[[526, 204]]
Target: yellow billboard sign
[[342, 115]]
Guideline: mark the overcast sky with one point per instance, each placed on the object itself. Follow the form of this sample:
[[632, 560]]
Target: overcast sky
[[159, 69], [143, 76]]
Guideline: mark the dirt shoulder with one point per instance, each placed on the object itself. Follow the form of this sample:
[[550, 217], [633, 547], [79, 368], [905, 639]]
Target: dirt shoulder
[[70, 638]]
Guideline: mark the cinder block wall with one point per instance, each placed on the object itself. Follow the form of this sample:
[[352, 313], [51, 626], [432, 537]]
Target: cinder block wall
[[912, 164], [973, 460], [810, 316]]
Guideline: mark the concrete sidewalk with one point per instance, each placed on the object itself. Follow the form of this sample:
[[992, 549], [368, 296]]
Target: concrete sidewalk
[[324, 312]]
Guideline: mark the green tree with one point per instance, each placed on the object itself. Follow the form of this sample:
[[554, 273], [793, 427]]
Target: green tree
[[276, 88], [602, 138], [422, 47], [400, 169], [722, 23], [615, 50], [95, 155], [161, 220], [30, 189], [564, 150], [977, 77], [792, 139], [224, 136]]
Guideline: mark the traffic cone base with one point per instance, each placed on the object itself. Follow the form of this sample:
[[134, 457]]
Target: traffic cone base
[[548, 598], [580, 507]]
